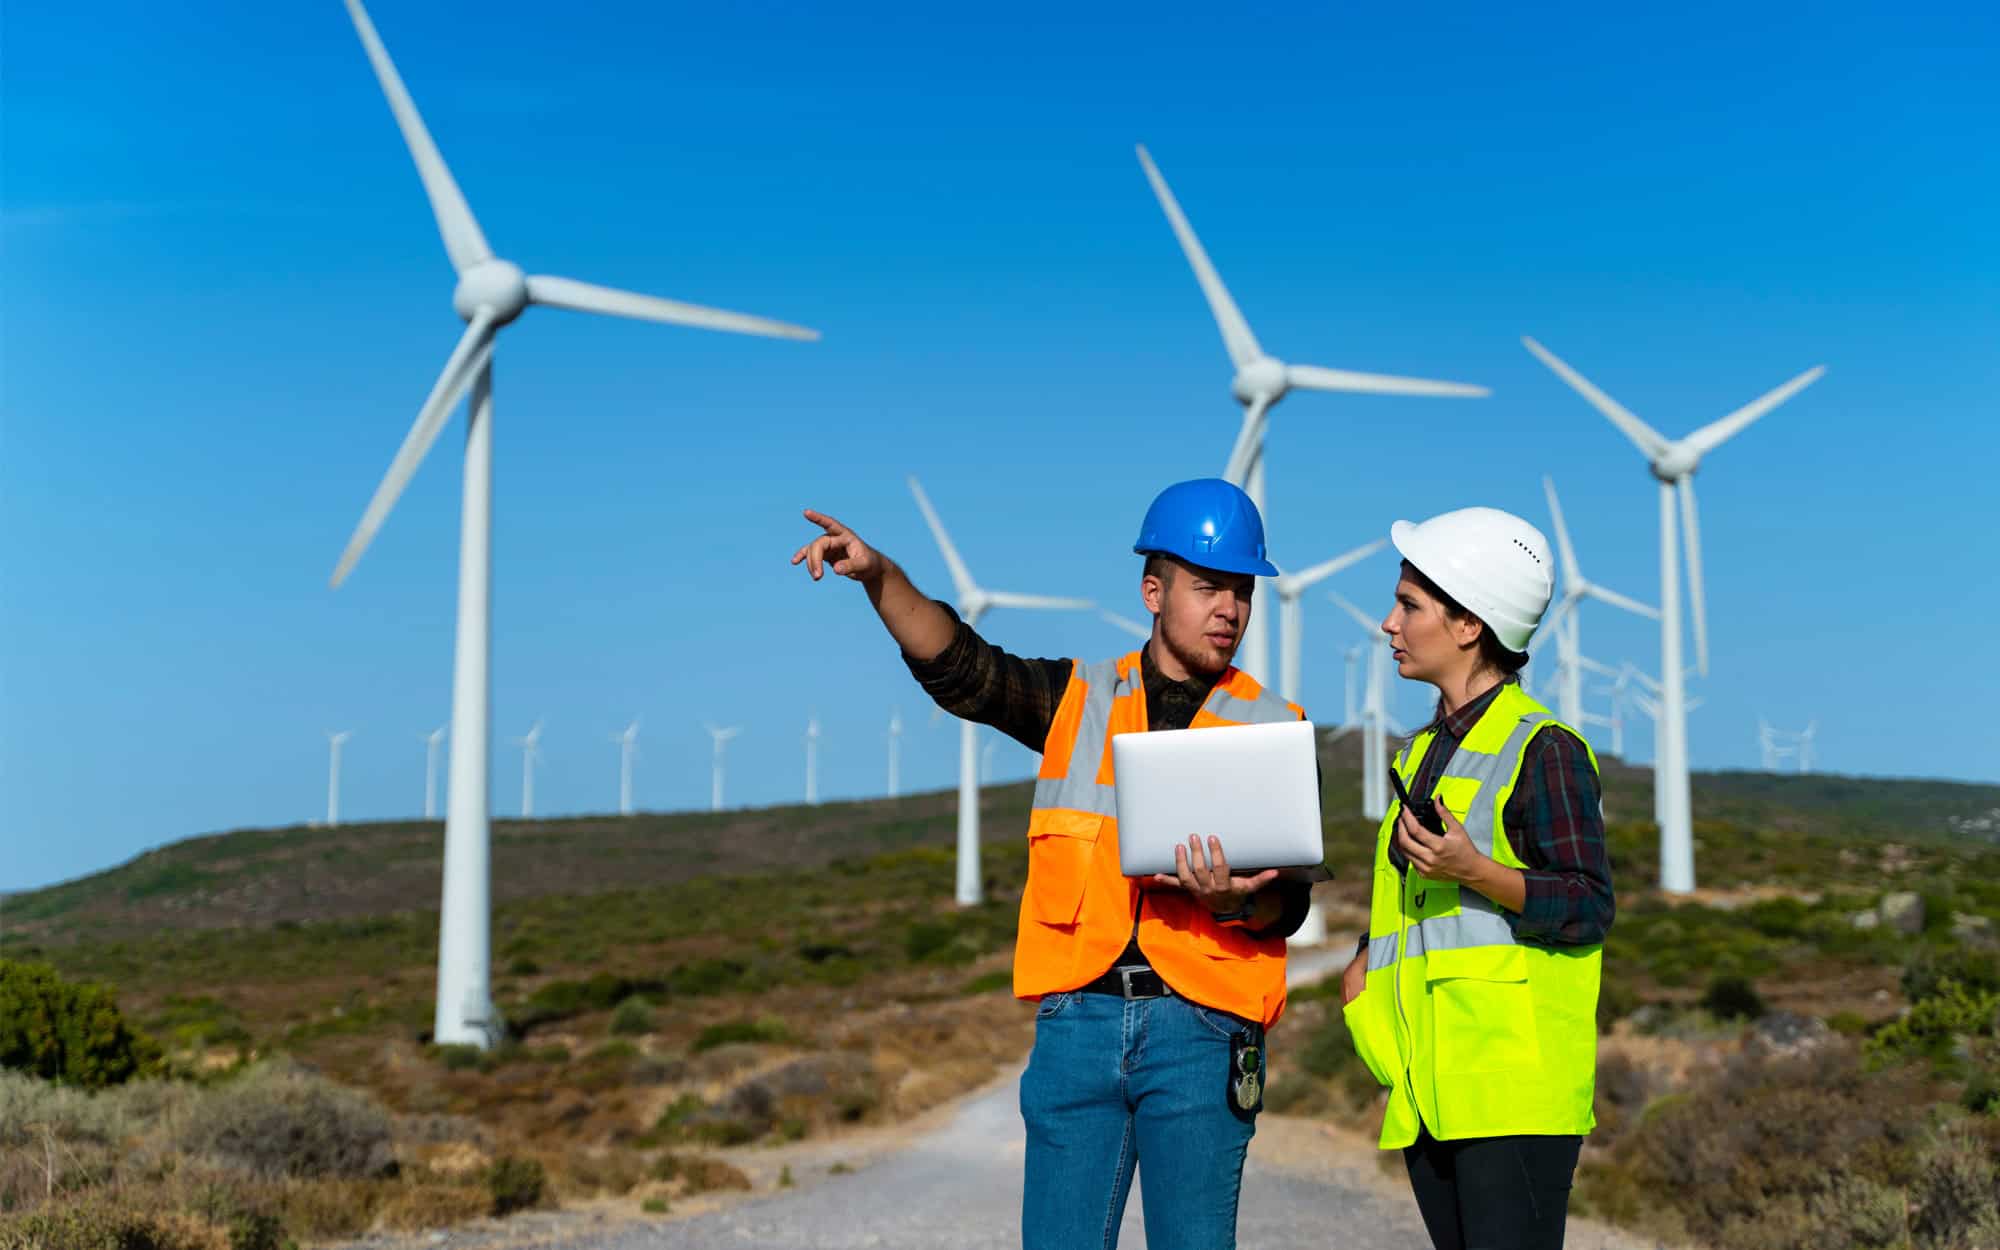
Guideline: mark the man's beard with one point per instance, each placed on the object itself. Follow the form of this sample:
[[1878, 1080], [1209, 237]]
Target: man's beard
[[1203, 663]]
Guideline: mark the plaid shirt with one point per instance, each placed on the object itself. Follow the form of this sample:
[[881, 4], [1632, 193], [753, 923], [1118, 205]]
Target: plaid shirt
[[977, 681], [1555, 823]]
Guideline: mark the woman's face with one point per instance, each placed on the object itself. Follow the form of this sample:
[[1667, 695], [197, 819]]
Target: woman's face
[[1423, 640]]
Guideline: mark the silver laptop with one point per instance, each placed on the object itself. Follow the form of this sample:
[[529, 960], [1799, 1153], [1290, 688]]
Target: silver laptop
[[1256, 787]]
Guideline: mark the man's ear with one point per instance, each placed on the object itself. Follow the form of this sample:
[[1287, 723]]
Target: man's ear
[[1153, 590]]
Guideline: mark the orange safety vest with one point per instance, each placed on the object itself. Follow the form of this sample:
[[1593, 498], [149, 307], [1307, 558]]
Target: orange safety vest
[[1078, 911]]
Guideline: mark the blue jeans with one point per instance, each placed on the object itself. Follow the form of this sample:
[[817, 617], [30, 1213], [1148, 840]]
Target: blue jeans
[[1113, 1084]]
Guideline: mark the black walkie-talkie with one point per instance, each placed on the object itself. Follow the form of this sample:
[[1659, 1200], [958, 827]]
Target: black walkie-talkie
[[1425, 813], [1426, 816]]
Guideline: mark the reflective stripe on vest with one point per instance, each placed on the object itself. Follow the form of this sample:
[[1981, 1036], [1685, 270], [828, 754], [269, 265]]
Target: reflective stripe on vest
[[1475, 1033], [1078, 910]]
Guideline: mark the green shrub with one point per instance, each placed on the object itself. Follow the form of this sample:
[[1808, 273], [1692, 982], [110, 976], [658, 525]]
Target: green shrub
[[679, 1112], [515, 1183], [1732, 998], [654, 1206], [1981, 1095], [1927, 971], [256, 1230], [987, 982], [1615, 1001], [704, 977], [67, 1031], [461, 1057], [634, 1015], [1934, 1022], [764, 1029], [276, 1123], [91, 1226]]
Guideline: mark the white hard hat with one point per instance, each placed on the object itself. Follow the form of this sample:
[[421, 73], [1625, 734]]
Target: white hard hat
[[1494, 563]]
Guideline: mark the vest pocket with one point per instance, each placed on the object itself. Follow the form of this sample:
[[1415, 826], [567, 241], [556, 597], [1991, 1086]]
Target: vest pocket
[[1484, 1010], [1059, 855], [1373, 1029]]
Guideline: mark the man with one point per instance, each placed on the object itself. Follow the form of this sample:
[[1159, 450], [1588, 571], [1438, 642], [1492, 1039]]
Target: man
[[1152, 995]]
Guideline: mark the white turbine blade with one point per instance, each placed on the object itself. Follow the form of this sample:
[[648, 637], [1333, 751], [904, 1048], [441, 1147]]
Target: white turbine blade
[[474, 351], [1643, 436], [1130, 626], [1315, 378], [1697, 607], [1249, 443], [1306, 580], [1368, 625], [1008, 599], [1547, 628], [1571, 574], [961, 577], [587, 297], [1236, 336], [1615, 599], [1716, 433], [463, 241], [1593, 666]]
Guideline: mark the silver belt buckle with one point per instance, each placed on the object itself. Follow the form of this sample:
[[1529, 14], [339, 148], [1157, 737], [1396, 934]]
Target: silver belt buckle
[[1126, 974]]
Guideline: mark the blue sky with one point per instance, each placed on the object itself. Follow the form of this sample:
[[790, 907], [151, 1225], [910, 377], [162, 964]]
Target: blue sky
[[226, 300]]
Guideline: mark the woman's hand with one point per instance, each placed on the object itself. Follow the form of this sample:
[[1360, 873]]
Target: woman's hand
[[1208, 877], [1354, 978], [1449, 856]]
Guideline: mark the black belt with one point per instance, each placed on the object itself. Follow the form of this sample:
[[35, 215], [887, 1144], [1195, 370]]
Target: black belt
[[1129, 982]]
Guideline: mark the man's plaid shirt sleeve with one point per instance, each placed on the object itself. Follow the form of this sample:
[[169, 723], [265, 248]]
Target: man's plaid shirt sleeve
[[1555, 819]]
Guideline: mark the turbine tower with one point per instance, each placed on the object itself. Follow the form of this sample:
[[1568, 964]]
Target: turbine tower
[[812, 759], [1291, 588], [531, 754], [431, 741], [1673, 463], [334, 740], [895, 747], [491, 292], [1564, 619], [1374, 715], [721, 736], [1262, 381], [973, 603], [628, 746]]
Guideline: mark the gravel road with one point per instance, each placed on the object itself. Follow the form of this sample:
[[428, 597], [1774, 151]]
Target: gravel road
[[956, 1181]]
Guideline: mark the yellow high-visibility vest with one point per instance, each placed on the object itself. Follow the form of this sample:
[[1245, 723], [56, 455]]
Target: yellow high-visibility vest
[[1474, 1033]]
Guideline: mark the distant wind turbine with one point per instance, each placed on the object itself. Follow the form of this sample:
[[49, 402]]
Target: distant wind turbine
[[490, 294], [334, 741], [1562, 623], [431, 741], [628, 746], [1673, 463], [1291, 588], [721, 736], [812, 759], [973, 603], [895, 747], [1374, 715], [1261, 381], [531, 754]]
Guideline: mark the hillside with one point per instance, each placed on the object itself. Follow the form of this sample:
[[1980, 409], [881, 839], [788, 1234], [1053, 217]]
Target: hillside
[[256, 877]]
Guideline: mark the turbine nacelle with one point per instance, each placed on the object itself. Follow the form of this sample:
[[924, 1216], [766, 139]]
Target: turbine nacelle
[[497, 285], [1674, 462], [1260, 379]]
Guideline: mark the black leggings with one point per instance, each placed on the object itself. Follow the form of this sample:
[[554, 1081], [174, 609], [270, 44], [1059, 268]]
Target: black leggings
[[1493, 1193]]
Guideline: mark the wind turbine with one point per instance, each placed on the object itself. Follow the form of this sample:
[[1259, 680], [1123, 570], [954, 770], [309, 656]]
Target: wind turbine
[[721, 736], [1351, 694], [1262, 380], [1127, 625], [1291, 588], [531, 754], [895, 745], [1805, 746], [628, 746], [1564, 619], [1673, 463], [431, 741], [1374, 715], [334, 739], [491, 292], [812, 758], [973, 603]]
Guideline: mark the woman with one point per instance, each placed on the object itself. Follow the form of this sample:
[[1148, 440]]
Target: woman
[[1474, 993]]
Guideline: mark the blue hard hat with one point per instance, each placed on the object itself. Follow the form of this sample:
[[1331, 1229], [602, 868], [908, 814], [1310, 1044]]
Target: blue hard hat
[[1206, 522]]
